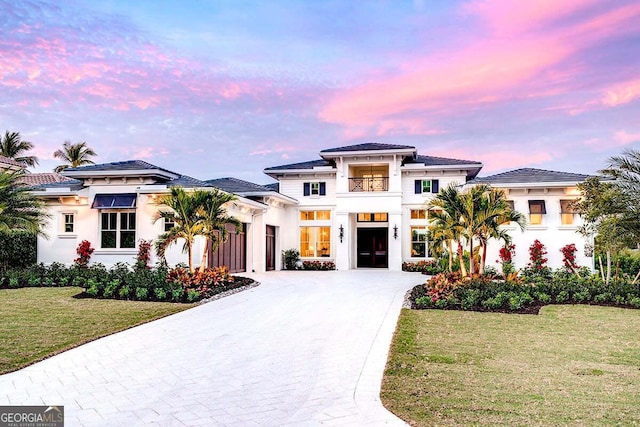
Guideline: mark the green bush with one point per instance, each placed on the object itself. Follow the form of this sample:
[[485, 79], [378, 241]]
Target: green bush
[[17, 250]]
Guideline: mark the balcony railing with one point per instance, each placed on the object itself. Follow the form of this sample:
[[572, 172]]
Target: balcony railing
[[369, 184]]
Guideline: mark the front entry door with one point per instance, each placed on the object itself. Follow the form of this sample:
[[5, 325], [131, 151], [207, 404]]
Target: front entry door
[[372, 247], [271, 248]]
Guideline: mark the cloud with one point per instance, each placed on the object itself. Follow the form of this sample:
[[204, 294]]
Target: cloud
[[622, 93], [625, 138], [528, 51]]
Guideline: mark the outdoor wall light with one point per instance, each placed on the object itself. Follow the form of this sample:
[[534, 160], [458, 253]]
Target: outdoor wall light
[[395, 231], [341, 234]]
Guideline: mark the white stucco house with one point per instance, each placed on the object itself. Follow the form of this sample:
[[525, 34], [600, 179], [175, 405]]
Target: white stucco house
[[360, 206]]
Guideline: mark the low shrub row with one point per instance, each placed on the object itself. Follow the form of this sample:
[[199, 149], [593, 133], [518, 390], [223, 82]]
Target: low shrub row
[[448, 291], [427, 267], [124, 282], [318, 265]]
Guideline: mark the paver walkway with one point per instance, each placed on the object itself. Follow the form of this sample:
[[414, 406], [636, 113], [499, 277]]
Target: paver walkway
[[303, 348]]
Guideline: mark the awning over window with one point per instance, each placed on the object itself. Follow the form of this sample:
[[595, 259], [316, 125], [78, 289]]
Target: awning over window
[[537, 207], [114, 201]]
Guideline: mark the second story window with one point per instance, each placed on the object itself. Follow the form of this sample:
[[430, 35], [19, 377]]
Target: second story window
[[567, 212], [424, 186], [314, 188], [537, 210]]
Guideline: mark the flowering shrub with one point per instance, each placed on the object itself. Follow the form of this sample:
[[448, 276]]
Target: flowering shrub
[[427, 267], [208, 282], [569, 257], [84, 251], [537, 252], [506, 254], [318, 265], [144, 254], [441, 287]]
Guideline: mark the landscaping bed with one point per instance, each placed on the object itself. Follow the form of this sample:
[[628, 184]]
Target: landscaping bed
[[525, 294], [122, 281]]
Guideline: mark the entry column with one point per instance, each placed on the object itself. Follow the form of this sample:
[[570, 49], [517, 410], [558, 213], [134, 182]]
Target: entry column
[[343, 248]]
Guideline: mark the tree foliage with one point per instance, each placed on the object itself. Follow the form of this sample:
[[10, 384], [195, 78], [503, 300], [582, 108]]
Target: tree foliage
[[470, 216], [74, 155], [13, 147], [194, 213], [20, 210]]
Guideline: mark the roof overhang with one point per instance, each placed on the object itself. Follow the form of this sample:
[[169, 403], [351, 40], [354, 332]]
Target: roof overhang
[[368, 153], [155, 173], [273, 173]]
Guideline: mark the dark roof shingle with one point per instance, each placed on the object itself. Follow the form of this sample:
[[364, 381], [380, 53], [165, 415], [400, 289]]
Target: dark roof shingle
[[531, 175], [368, 146], [235, 185], [302, 165], [440, 161], [118, 166]]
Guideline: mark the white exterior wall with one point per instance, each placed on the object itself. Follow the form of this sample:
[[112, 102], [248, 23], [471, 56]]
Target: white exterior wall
[[552, 233], [61, 246]]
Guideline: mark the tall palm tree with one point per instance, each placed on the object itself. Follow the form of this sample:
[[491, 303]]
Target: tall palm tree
[[214, 217], [446, 211], [74, 155], [183, 211], [13, 147], [496, 212], [20, 210]]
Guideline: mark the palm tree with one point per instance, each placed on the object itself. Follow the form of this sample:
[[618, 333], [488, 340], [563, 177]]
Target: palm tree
[[20, 210], [496, 212], [74, 155], [215, 219], [13, 147], [184, 213], [446, 210]]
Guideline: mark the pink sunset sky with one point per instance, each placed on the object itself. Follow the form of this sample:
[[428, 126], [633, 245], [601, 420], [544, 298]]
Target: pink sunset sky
[[226, 88]]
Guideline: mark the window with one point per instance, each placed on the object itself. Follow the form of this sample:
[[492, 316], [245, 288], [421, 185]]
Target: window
[[118, 230], [69, 220], [418, 214], [314, 188], [168, 224], [427, 186], [419, 241], [536, 211], [315, 242], [567, 212], [373, 217], [315, 215]]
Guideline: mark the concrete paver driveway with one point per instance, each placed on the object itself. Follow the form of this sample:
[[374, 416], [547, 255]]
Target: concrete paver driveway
[[303, 348]]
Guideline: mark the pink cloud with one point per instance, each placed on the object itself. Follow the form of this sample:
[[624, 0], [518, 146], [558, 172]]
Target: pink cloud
[[621, 93], [495, 160], [492, 69], [508, 16], [624, 138], [475, 75]]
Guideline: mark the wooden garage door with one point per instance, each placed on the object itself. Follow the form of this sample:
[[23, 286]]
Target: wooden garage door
[[231, 253]]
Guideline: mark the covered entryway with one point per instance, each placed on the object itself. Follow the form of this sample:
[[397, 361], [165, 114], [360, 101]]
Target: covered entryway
[[372, 248], [231, 253], [270, 248]]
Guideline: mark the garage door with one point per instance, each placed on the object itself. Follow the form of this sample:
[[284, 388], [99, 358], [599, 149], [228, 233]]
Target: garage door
[[231, 253]]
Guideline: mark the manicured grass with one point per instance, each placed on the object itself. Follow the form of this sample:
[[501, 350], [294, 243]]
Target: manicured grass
[[570, 365], [36, 323]]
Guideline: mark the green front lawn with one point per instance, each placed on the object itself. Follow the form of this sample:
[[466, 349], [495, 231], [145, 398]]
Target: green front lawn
[[36, 323], [570, 365]]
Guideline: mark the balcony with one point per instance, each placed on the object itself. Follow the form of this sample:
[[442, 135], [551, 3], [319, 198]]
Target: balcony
[[380, 183]]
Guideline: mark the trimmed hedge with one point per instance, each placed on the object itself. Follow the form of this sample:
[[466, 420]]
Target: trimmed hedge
[[124, 282], [447, 291], [17, 250]]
